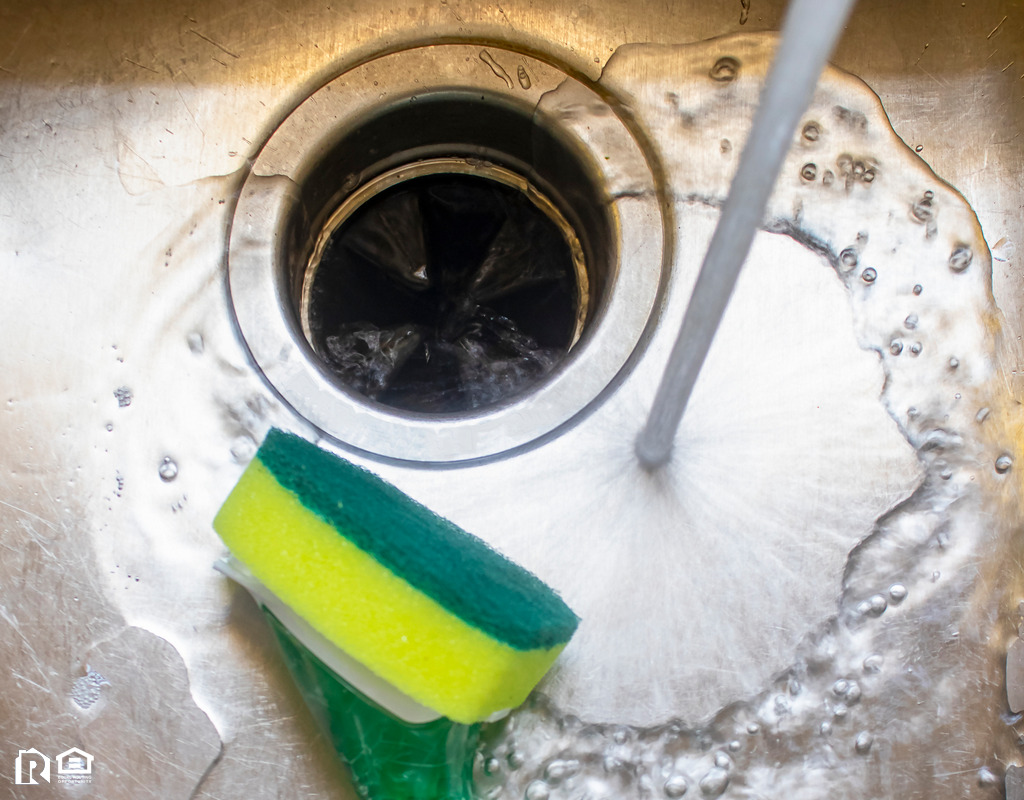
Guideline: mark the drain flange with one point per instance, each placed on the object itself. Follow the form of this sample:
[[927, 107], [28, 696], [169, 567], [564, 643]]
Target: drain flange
[[563, 164]]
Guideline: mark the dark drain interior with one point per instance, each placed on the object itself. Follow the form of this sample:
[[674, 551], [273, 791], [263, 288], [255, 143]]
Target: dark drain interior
[[445, 293]]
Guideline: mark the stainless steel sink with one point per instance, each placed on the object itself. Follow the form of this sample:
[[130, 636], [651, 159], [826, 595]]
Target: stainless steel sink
[[147, 151]]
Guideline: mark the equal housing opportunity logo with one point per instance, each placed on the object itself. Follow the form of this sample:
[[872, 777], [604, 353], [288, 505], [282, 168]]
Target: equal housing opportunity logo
[[32, 767]]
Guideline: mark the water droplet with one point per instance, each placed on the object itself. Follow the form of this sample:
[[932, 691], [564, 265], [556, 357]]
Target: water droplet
[[725, 69], [853, 693], [492, 766], [828, 178], [351, 182], [946, 474], [954, 363], [961, 258], [1003, 463], [558, 770], [110, 426], [515, 759], [911, 322], [869, 275], [878, 604], [734, 746], [524, 77], [611, 764], [918, 289], [85, 691], [538, 790], [753, 728], [826, 728], [195, 343], [496, 68], [921, 210], [714, 782], [915, 349], [124, 396], [725, 146], [873, 663], [722, 761], [919, 148], [168, 469], [935, 576], [863, 742], [863, 608], [912, 412], [897, 593], [895, 347], [982, 415], [848, 259], [242, 449], [840, 687], [840, 711], [811, 131], [676, 786], [929, 195], [621, 736], [809, 172], [869, 176]]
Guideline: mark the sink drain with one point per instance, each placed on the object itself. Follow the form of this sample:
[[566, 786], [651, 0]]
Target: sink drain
[[431, 264], [445, 286]]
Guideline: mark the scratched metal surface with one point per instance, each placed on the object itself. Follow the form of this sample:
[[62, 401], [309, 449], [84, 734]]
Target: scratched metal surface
[[123, 133]]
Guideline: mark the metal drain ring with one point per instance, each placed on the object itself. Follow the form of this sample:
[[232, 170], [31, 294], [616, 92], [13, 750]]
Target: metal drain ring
[[301, 177]]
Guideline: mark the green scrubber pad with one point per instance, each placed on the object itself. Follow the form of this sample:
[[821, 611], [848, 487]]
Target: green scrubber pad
[[423, 604]]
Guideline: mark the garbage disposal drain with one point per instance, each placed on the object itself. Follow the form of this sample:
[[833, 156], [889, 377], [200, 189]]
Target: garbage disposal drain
[[445, 286], [430, 263]]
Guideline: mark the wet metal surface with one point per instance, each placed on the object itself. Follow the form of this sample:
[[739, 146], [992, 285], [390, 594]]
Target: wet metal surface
[[1015, 783], [1015, 676], [124, 133]]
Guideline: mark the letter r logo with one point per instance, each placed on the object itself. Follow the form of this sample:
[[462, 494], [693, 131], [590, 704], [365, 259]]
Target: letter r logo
[[29, 764]]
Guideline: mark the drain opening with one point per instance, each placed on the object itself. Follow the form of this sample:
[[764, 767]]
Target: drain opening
[[445, 286], [559, 145]]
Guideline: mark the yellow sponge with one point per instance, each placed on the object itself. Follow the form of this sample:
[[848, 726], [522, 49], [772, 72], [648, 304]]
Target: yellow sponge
[[426, 606]]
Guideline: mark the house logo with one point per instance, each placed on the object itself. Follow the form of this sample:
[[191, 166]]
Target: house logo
[[29, 765], [74, 766], [32, 767]]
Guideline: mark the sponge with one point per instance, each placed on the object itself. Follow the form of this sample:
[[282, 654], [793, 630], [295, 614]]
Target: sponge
[[428, 607]]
